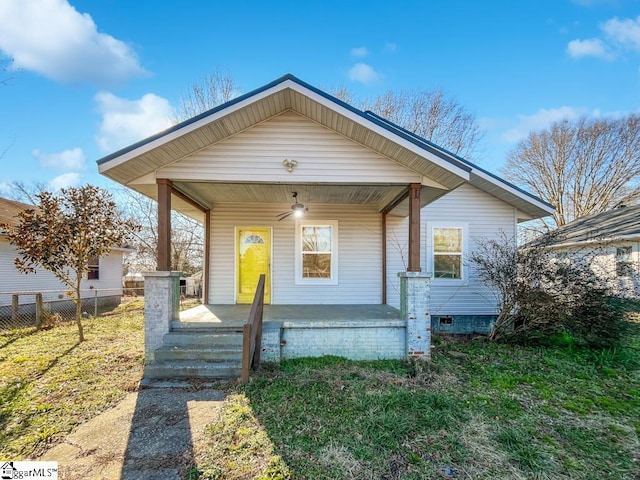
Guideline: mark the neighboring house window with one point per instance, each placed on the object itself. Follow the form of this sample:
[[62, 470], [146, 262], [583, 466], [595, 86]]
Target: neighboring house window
[[624, 266], [317, 253], [94, 269], [447, 250]]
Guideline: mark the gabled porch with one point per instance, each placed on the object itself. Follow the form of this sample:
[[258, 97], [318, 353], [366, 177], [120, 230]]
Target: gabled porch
[[353, 175]]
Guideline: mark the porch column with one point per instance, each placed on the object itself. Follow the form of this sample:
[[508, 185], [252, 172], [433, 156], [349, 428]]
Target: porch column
[[161, 307], [207, 253], [164, 224], [414, 228], [415, 306]]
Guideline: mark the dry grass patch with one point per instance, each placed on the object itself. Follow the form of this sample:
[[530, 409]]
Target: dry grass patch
[[49, 383]]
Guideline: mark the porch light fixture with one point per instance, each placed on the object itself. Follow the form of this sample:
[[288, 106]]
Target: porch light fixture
[[289, 164]]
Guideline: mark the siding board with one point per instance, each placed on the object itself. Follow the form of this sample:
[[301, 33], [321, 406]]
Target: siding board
[[486, 217], [12, 280], [359, 251], [257, 153]]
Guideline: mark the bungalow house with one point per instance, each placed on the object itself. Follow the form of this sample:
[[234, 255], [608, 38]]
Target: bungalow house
[[611, 240], [16, 288], [360, 227]]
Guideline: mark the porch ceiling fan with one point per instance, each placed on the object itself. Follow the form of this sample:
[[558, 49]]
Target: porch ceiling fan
[[297, 209]]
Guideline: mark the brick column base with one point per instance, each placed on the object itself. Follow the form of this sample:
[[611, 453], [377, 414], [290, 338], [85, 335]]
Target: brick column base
[[415, 305], [161, 307]]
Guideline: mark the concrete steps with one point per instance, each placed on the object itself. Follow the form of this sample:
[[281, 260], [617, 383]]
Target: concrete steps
[[195, 351]]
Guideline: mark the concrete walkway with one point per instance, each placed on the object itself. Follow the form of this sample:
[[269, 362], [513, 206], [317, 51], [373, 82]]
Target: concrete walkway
[[152, 434]]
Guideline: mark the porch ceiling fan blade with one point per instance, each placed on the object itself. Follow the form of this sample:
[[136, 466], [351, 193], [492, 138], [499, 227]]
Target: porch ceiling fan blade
[[284, 215]]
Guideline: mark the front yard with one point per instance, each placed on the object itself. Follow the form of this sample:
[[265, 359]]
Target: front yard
[[478, 410]]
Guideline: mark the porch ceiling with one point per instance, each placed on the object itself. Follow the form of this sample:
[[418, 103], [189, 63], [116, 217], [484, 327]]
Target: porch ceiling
[[208, 194]]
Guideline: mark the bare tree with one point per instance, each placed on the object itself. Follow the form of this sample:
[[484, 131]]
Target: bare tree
[[433, 115], [187, 235], [212, 90], [26, 192], [581, 167], [541, 292]]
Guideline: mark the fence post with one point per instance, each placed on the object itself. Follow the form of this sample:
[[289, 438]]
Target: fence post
[[38, 310], [15, 308], [95, 303]]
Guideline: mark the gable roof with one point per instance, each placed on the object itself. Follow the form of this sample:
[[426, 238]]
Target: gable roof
[[9, 210], [622, 223], [290, 93]]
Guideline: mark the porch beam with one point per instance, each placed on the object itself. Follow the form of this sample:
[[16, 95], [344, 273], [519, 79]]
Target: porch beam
[[188, 199], [414, 227], [395, 202], [164, 224], [384, 258]]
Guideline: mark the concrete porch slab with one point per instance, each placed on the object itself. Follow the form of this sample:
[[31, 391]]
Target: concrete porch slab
[[235, 315]]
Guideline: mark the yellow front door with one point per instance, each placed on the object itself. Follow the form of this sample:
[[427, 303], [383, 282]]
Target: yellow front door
[[253, 258]]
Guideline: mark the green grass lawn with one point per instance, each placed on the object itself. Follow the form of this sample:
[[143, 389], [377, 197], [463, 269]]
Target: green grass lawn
[[478, 410], [49, 383]]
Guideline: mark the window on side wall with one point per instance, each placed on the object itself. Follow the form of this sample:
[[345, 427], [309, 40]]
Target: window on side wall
[[448, 247], [317, 253], [624, 265], [94, 269]]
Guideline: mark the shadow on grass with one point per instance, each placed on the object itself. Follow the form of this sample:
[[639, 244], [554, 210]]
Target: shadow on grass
[[9, 395], [21, 333]]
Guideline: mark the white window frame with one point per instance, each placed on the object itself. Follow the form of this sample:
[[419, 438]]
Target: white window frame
[[98, 269], [333, 280], [464, 274]]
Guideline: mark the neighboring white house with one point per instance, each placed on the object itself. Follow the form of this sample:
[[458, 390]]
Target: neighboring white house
[[104, 277], [376, 200], [612, 239]]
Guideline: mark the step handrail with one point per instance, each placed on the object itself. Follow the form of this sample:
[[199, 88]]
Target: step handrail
[[252, 333]]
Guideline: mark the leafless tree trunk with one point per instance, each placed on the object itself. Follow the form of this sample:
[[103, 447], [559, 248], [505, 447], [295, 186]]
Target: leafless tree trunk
[[212, 90], [581, 167]]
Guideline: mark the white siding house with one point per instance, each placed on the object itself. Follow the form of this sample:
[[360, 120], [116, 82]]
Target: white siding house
[[108, 271], [372, 198], [610, 240]]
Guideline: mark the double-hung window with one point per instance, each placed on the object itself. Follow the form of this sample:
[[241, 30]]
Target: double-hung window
[[447, 250], [317, 253], [94, 269]]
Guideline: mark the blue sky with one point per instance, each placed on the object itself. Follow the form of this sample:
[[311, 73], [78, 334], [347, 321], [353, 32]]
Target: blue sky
[[87, 77]]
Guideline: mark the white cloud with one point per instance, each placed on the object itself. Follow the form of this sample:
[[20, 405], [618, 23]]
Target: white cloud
[[363, 73], [540, 120], [625, 32], [390, 48], [359, 52], [65, 180], [593, 47], [52, 38], [127, 121], [65, 160]]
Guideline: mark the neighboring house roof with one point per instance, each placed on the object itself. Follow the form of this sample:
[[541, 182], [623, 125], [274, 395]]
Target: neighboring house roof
[[290, 93], [9, 210], [622, 223]]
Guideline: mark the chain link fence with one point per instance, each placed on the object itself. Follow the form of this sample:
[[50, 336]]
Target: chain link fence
[[22, 309]]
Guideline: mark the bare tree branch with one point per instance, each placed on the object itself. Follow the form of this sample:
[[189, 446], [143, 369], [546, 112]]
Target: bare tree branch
[[581, 167], [212, 90]]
